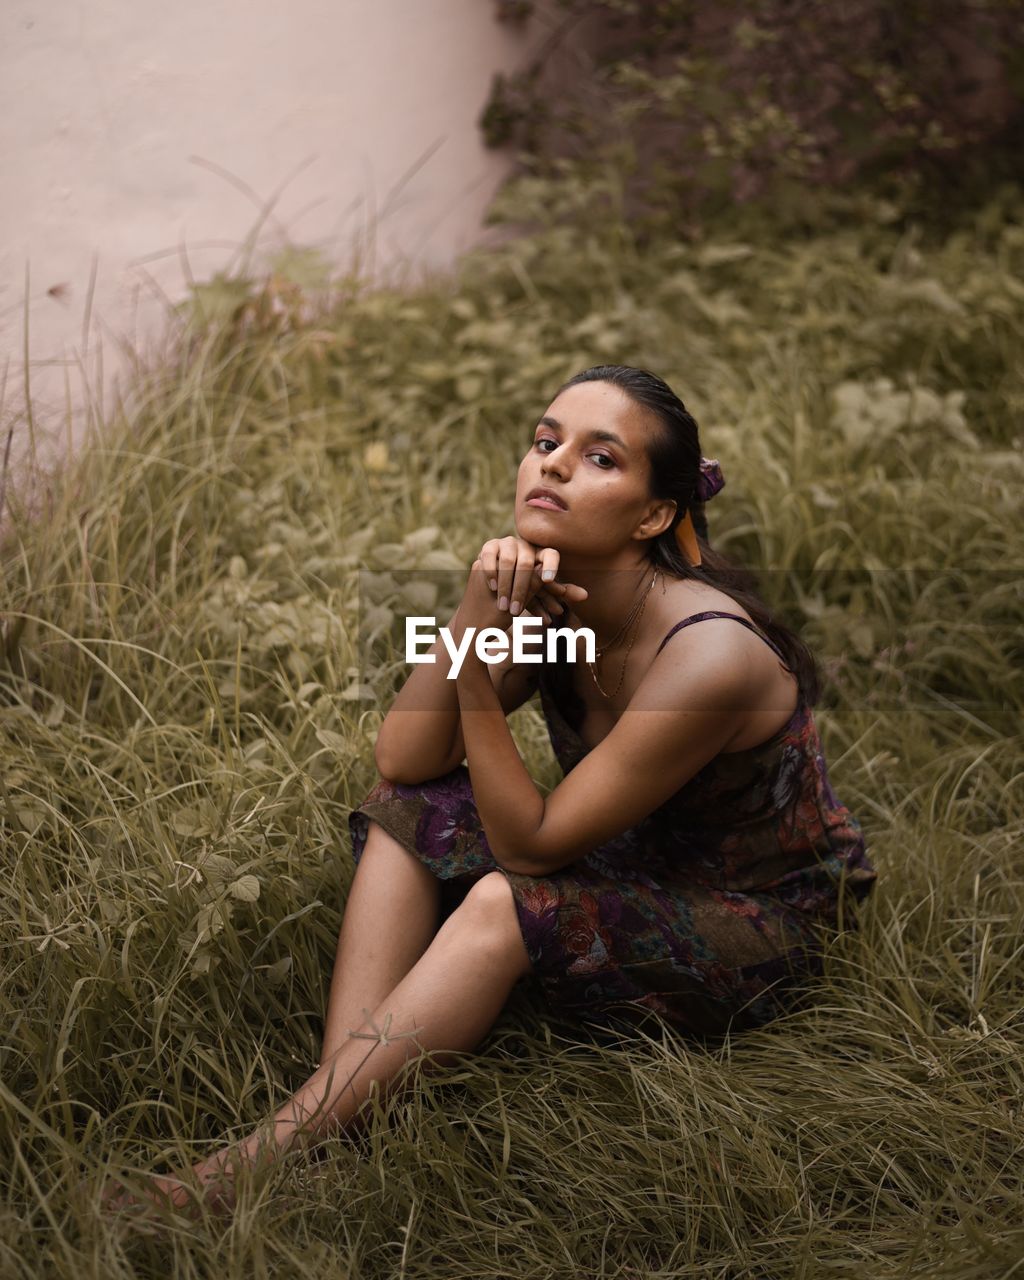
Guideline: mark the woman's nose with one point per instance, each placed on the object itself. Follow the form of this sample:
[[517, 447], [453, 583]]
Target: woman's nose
[[554, 463]]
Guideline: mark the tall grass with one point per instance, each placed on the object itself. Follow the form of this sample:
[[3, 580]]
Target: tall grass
[[188, 719]]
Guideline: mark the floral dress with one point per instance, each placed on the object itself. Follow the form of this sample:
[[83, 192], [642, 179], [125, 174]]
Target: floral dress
[[707, 912]]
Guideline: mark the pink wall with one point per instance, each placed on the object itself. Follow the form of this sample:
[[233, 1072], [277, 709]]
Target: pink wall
[[111, 111]]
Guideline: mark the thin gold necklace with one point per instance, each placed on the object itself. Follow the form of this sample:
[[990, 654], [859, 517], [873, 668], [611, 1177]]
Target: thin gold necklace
[[597, 652], [623, 629]]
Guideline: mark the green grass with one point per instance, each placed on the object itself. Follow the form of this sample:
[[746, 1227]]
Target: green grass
[[188, 720]]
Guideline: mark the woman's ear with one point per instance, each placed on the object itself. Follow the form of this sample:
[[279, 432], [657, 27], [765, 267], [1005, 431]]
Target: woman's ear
[[658, 519]]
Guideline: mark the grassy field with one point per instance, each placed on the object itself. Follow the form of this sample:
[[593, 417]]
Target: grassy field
[[187, 723]]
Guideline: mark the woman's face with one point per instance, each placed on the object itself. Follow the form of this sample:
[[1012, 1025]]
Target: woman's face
[[590, 451]]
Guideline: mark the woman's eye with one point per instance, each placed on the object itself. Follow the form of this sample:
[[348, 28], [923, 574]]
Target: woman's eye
[[603, 456]]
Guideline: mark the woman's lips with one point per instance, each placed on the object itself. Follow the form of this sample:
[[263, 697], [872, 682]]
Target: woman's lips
[[548, 504]]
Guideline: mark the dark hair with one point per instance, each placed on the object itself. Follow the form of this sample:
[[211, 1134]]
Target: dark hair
[[675, 455]]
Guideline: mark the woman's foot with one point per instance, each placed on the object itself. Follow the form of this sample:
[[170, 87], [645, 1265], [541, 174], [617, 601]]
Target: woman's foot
[[211, 1181]]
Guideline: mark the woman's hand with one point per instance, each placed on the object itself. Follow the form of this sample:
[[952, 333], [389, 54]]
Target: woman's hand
[[512, 575]]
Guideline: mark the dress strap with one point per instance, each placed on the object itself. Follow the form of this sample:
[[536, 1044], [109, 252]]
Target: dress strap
[[716, 613]]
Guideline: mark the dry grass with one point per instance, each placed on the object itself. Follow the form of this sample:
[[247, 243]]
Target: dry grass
[[187, 726]]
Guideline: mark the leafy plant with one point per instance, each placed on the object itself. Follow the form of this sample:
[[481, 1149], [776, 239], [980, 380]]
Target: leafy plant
[[703, 106]]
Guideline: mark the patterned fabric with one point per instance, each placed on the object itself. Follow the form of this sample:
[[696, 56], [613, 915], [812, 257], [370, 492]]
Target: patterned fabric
[[707, 912]]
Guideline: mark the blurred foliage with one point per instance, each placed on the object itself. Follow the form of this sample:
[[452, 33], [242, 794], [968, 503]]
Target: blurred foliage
[[702, 106]]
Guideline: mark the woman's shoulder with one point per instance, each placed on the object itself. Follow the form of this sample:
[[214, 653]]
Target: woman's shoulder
[[681, 600], [751, 656]]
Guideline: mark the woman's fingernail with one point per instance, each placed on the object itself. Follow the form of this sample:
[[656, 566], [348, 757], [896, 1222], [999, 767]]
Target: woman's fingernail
[[503, 602], [493, 583], [548, 574], [516, 606]]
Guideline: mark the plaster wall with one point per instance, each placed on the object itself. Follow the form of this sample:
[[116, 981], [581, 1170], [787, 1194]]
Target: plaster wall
[[141, 137]]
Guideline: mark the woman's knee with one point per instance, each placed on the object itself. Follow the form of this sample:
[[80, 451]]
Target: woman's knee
[[488, 911], [492, 895], [379, 837], [380, 844]]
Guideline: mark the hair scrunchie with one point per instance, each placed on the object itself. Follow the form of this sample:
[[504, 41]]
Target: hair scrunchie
[[709, 482]]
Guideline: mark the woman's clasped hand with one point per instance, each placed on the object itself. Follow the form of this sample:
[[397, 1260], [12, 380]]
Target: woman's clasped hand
[[512, 576]]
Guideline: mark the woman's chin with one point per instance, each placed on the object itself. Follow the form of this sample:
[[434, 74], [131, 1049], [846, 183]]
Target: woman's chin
[[543, 531]]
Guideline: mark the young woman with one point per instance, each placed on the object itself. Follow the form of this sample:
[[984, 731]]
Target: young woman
[[694, 854]]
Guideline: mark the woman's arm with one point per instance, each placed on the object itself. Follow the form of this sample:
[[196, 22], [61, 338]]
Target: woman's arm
[[421, 736], [687, 707]]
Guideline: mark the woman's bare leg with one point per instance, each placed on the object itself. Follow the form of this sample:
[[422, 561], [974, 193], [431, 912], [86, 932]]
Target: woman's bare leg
[[448, 1001], [391, 915]]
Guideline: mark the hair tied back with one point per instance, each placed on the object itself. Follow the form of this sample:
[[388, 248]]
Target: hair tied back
[[710, 481]]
